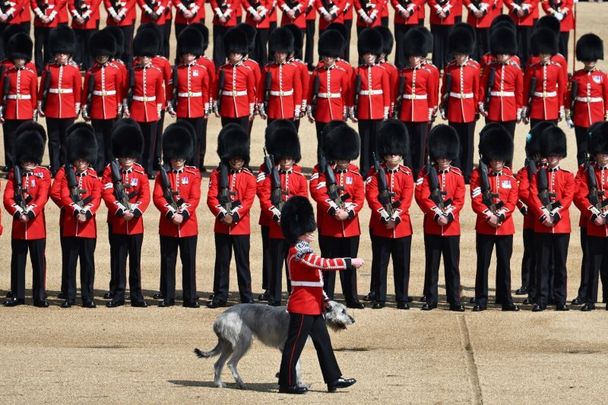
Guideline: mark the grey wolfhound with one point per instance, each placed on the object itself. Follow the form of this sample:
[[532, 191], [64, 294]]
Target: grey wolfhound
[[236, 327]]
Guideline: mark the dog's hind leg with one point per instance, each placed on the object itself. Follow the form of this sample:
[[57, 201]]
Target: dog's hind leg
[[239, 350], [219, 364]]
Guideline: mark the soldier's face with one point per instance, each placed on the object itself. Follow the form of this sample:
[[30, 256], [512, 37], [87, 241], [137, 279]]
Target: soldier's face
[[188, 58], [553, 161], [369, 58], [81, 165], [601, 159], [28, 166], [497, 165], [177, 164], [308, 237], [142, 60], [443, 163], [236, 163], [286, 164], [392, 160], [502, 58], [62, 58], [589, 64], [460, 58], [328, 60], [126, 162], [342, 164], [544, 56], [414, 60], [19, 62], [235, 58], [102, 59], [280, 57]]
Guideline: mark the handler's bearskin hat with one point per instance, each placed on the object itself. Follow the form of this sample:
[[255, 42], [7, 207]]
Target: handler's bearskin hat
[[544, 41], [443, 143], [461, 39], [552, 142], [102, 43], [331, 44], [597, 135], [190, 40], [62, 40], [81, 143], [30, 139], [146, 42], [370, 41], [416, 42], [533, 137], [297, 218], [235, 42], [503, 20], [233, 142], [387, 39], [127, 139], [298, 39], [19, 46], [393, 139], [284, 143], [250, 34], [503, 41], [495, 143], [204, 31], [178, 141], [119, 39], [589, 48], [281, 40], [341, 143], [550, 22]]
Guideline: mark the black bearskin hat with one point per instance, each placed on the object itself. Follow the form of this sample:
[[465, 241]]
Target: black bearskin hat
[[273, 128], [146, 42], [331, 44], [204, 32], [235, 42], [102, 43], [30, 139], [178, 142], [589, 48], [10, 30], [62, 40], [597, 135], [119, 38], [341, 28], [443, 143], [416, 42], [19, 46], [341, 143], [190, 40], [81, 143], [370, 41], [298, 39], [284, 143], [544, 41], [393, 139], [127, 139], [552, 142], [387, 39], [461, 39], [281, 40], [495, 143], [533, 137], [233, 142], [250, 34], [502, 20], [503, 41], [550, 22], [297, 218]]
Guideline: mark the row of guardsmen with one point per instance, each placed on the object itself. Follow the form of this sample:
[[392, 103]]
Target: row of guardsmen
[[542, 191]]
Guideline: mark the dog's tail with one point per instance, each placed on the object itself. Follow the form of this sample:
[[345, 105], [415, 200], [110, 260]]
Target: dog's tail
[[204, 355]]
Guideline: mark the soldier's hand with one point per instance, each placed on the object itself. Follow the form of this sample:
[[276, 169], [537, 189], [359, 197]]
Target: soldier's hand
[[357, 262], [128, 215], [600, 220], [442, 220], [390, 224], [177, 219], [311, 119], [24, 218], [81, 217], [227, 219], [341, 215]]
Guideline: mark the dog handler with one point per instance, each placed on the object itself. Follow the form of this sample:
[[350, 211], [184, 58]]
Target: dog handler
[[305, 305]]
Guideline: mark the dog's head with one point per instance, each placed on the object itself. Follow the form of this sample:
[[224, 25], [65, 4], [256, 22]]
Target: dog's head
[[337, 317]]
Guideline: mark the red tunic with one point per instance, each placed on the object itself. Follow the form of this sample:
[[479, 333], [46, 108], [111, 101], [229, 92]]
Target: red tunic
[[50, 9], [195, 6], [285, 95], [548, 97], [192, 91], [464, 94], [106, 98], [226, 9], [375, 94], [304, 79], [591, 98], [503, 184], [208, 63], [333, 96], [437, 6], [90, 186], [523, 12], [148, 94], [260, 9], [393, 79], [243, 185], [120, 12], [88, 10], [524, 196], [63, 100], [506, 95], [419, 96], [299, 8], [561, 182], [369, 13], [330, 9], [557, 58], [488, 8], [581, 199], [153, 11], [563, 7], [21, 99], [407, 11], [238, 93]]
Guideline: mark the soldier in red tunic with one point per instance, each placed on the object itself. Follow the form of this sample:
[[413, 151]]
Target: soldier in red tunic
[[25, 199], [232, 189], [126, 192], [307, 301], [494, 198], [85, 21], [122, 14], [393, 73], [177, 193], [389, 191], [563, 11], [440, 194]]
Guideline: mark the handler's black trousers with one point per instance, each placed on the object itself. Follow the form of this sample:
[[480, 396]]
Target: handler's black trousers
[[278, 253], [527, 261], [417, 132], [83, 249], [581, 143], [200, 144], [266, 258], [504, 248], [598, 264], [319, 126], [121, 247], [300, 327], [585, 268], [435, 246], [149, 131], [466, 134], [332, 248], [367, 131], [310, 44], [382, 250], [168, 259], [103, 133], [36, 248], [224, 245], [440, 45], [551, 246], [523, 42], [56, 129], [219, 57]]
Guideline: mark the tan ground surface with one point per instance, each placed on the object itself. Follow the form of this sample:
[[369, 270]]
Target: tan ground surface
[[134, 355]]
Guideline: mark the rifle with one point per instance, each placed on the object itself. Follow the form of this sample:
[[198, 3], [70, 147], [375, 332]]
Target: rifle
[[220, 89], [436, 193], [131, 74], [489, 85], [531, 92], [175, 89], [333, 190], [595, 196], [357, 91], [168, 193], [18, 189], [446, 95], [225, 193], [385, 196], [75, 191], [6, 86], [276, 197], [90, 90], [119, 187], [45, 91], [399, 100], [267, 86], [544, 195], [573, 93], [487, 196], [316, 85]]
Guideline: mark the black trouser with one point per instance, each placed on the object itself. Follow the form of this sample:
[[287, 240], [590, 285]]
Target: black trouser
[[168, 259], [382, 250], [219, 56], [551, 246], [465, 136], [273, 26], [178, 29], [598, 264], [121, 247], [563, 43], [82, 55], [508, 125], [159, 138], [434, 247], [418, 132], [320, 126], [148, 129], [332, 248], [260, 53], [19, 251], [56, 130], [103, 133], [583, 288], [367, 132], [523, 42], [300, 327], [127, 55], [278, 252], [299, 52], [166, 38], [527, 261], [400, 31], [83, 249], [224, 245], [200, 143], [348, 24], [42, 53], [440, 45], [581, 143], [310, 44], [242, 121], [266, 258], [504, 248], [9, 129], [482, 41]]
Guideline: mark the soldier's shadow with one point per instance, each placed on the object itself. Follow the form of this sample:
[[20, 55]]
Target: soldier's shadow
[[258, 387]]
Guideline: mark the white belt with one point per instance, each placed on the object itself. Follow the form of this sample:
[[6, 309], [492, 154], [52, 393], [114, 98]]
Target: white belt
[[590, 99], [190, 94], [60, 91], [19, 97], [281, 93], [144, 99], [502, 93], [461, 95], [234, 93], [306, 283], [371, 92], [414, 96], [545, 94], [329, 95], [104, 93]]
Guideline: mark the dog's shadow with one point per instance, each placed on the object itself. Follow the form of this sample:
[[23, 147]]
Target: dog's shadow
[[258, 387]]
